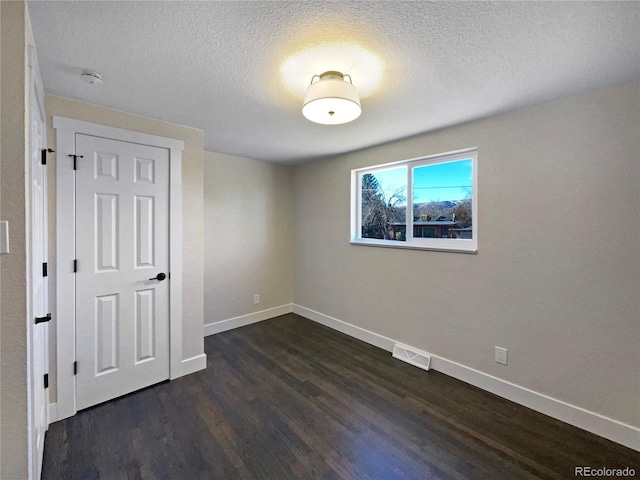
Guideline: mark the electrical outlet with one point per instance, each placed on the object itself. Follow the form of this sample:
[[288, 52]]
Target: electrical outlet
[[256, 299], [501, 355]]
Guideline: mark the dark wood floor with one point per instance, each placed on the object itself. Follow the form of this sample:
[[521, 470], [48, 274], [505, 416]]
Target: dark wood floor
[[290, 399]]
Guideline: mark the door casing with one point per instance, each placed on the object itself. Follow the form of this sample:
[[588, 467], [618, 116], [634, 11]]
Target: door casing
[[66, 130]]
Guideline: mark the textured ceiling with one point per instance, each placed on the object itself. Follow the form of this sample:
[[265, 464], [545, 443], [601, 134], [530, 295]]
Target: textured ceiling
[[226, 67]]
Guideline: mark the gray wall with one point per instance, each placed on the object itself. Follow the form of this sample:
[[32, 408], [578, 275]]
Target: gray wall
[[247, 231], [16, 35], [557, 276]]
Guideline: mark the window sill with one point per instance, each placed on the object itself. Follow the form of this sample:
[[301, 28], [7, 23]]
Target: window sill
[[402, 245]]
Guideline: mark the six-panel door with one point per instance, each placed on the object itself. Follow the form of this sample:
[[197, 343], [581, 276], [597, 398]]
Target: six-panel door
[[122, 244]]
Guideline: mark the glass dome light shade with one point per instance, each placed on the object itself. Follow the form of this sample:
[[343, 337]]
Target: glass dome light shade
[[331, 100]]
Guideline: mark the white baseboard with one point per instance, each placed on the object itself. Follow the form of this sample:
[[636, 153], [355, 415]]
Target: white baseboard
[[614, 430], [344, 327], [241, 321], [190, 365], [53, 413]]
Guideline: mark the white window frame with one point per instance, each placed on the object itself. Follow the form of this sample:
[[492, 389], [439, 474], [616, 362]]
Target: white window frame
[[436, 244]]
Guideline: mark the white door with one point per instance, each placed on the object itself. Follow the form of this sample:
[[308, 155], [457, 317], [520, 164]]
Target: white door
[[122, 279], [39, 291]]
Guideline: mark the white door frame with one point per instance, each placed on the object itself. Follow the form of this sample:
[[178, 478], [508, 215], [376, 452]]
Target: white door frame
[[66, 130]]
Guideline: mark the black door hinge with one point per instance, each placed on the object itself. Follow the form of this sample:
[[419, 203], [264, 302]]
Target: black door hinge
[[75, 157], [44, 270], [75, 266], [75, 368], [43, 158], [44, 319], [46, 380]]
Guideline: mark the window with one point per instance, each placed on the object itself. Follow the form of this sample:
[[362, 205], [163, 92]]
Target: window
[[425, 203], [425, 232]]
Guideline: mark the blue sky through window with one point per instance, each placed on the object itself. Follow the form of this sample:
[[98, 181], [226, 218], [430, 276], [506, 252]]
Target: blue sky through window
[[432, 183], [442, 181], [392, 181]]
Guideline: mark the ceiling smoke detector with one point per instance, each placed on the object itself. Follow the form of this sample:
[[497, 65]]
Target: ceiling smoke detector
[[91, 77]]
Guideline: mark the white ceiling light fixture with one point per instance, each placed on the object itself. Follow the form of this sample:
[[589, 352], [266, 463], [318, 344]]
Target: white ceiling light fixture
[[331, 100]]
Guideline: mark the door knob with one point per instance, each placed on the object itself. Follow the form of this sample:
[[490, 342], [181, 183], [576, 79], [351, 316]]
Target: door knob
[[160, 277]]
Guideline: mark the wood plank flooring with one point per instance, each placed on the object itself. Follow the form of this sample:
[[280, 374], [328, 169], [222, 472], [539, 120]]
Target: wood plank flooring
[[290, 399]]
